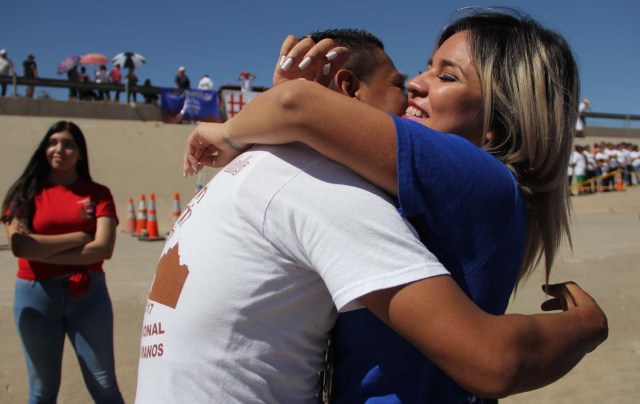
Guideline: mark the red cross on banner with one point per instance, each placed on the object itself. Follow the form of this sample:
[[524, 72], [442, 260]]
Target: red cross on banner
[[235, 106], [234, 100]]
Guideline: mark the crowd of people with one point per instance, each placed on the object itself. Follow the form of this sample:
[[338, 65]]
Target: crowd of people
[[408, 294], [78, 73], [603, 167]]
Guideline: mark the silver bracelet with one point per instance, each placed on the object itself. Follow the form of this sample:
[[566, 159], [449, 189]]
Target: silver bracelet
[[234, 146]]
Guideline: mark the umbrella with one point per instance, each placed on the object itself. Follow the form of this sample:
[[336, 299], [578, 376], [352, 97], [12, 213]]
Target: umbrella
[[93, 59], [128, 59], [68, 63]]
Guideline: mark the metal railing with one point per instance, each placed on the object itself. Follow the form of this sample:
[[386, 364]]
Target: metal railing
[[148, 90], [625, 118], [61, 83]]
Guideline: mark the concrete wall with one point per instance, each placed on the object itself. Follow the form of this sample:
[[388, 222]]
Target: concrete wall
[[78, 109], [598, 131], [21, 106]]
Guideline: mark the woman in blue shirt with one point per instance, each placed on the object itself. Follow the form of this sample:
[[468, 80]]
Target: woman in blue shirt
[[489, 202]]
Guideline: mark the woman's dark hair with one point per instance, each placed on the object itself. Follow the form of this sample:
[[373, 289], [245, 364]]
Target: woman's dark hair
[[19, 201]]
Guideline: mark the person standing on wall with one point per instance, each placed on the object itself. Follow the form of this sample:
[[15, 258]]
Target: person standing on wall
[[182, 80], [30, 71], [6, 68], [116, 77]]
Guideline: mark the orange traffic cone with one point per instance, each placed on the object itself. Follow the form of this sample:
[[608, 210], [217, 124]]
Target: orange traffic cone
[[175, 214], [141, 223], [619, 182], [130, 224], [151, 230]]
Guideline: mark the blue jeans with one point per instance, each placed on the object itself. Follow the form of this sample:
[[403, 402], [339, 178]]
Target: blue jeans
[[44, 312]]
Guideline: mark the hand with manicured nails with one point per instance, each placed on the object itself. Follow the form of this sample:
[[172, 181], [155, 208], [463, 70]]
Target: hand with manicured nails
[[305, 59]]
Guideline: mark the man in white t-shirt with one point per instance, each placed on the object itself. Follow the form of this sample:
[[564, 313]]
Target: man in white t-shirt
[[602, 168], [635, 164], [580, 123], [590, 172], [205, 83], [245, 79], [261, 260], [612, 165], [624, 159], [579, 164], [6, 67]]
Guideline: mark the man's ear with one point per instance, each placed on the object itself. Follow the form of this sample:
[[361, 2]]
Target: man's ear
[[346, 82]]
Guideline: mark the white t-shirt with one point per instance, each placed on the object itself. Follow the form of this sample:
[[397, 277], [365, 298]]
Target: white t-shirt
[[602, 160], [613, 158], [5, 66], [245, 83], [624, 157], [205, 83], [250, 278], [583, 107], [578, 162], [635, 158], [590, 160], [102, 76]]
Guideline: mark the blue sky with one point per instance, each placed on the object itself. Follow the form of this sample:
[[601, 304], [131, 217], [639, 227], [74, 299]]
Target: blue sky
[[222, 38]]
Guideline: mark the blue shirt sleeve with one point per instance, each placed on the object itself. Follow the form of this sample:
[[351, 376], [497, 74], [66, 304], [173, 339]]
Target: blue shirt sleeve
[[462, 200], [443, 171]]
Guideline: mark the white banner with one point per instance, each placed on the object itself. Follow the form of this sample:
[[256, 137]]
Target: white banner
[[235, 100]]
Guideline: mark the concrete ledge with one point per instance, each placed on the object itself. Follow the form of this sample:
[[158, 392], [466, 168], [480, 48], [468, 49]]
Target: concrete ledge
[[78, 109], [599, 131], [143, 112]]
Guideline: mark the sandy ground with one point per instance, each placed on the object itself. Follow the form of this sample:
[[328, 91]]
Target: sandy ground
[[135, 158]]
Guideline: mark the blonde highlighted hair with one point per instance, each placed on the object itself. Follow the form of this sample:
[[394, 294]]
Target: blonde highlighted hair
[[530, 88]]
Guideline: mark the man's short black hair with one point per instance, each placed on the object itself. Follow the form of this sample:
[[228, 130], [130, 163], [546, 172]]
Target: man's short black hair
[[362, 61]]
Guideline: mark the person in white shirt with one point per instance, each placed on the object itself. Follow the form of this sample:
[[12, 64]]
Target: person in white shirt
[[579, 164], [581, 123], [205, 83], [245, 79], [590, 171], [602, 167], [624, 158], [6, 67], [635, 164], [613, 164], [102, 77]]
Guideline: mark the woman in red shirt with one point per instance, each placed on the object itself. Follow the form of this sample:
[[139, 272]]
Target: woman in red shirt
[[116, 77], [61, 225]]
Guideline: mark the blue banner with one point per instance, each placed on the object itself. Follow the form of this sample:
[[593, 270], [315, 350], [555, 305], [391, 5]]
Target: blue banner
[[201, 105]]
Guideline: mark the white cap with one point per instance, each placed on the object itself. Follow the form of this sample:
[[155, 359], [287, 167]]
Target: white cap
[[181, 69], [3, 52]]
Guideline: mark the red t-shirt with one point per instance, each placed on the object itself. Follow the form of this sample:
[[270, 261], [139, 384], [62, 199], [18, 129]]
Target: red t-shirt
[[115, 75], [63, 209]]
